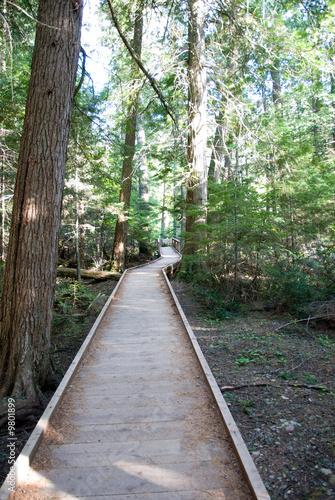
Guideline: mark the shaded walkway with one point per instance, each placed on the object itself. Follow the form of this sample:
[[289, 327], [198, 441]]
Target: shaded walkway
[[138, 420]]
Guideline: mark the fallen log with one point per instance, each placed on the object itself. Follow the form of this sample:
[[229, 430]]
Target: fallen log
[[91, 274], [310, 318]]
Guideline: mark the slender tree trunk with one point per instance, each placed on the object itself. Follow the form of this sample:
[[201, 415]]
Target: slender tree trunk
[[196, 195], [276, 85], [163, 227], [183, 217], [121, 229], [143, 189], [3, 212], [332, 91], [218, 154], [3, 44], [77, 227], [29, 279], [175, 195]]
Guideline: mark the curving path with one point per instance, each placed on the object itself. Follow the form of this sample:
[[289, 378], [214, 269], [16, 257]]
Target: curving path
[[138, 420]]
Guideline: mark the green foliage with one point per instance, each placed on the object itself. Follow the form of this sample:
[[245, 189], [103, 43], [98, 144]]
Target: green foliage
[[71, 302], [246, 404], [289, 285], [270, 211]]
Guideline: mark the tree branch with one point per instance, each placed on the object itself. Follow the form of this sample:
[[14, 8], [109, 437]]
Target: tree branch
[[139, 63], [31, 17], [83, 71]]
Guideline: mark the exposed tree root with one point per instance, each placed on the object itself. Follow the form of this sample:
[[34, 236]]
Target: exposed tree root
[[25, 412]]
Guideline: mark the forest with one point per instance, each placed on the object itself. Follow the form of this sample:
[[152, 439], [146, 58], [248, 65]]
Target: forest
[[266, 210], [216, 125]]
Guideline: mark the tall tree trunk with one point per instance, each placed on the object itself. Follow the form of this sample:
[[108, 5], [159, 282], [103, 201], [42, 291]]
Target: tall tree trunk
[[77, 226], [196, 195], [29, 279], [163, 226], [218, 153], [121, 229], [332, 91], [276, 85], [143, 190], [3, 211]]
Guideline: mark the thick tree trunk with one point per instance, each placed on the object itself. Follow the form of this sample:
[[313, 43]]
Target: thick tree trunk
[[121, 229], [196, 195], [28, 288]]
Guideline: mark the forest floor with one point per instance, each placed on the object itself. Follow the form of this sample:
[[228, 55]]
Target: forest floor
[[281, 388]]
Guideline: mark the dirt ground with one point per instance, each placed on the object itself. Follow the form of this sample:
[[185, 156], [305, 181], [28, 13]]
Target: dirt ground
[[279, 385]]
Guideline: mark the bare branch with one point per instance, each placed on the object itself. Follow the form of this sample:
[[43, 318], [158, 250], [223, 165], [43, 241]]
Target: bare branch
[[31, 17], [313, 318], [83, 71], [139, 63]]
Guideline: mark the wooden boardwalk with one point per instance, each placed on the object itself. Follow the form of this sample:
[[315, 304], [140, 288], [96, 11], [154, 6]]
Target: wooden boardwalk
[[138, 420]]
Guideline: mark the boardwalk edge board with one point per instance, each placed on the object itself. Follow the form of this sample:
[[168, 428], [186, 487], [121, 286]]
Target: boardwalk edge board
[[247, 464], [27, 454]]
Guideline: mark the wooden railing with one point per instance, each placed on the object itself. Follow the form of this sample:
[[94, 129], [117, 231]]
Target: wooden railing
[[176, 244]]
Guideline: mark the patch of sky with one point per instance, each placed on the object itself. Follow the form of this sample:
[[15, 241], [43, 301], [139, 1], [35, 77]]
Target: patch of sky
[[98, 56]]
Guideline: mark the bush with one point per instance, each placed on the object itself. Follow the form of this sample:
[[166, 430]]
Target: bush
[[289, 285]]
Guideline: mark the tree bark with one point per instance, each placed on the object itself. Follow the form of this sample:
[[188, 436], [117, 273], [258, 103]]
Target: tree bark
[[78, 256], [163, 218], [3, 213], [196, 195], [121, 229], [332, 91], [276, 85], [143, 191], [218, 151], [30, 272]]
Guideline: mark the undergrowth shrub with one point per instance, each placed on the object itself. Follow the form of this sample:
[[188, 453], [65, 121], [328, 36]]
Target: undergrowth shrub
[[286, 283], [289, 284], [70, 305]]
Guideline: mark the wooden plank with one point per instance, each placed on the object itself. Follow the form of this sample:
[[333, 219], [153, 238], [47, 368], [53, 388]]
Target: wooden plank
[[128, 478]]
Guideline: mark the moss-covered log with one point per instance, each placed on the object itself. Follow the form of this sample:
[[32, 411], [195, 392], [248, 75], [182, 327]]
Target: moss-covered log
[[91, 274]]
